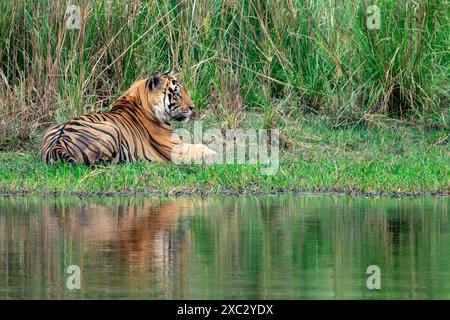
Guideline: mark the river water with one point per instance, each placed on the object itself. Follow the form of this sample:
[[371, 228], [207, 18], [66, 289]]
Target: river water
[[270, 247]]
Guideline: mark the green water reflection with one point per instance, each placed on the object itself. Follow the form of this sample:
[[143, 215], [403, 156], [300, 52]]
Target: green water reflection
[[287, 247]]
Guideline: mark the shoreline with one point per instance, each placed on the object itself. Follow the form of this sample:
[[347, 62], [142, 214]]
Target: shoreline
[[359, 194]]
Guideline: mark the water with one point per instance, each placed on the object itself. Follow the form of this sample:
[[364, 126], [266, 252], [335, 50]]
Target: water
[[288, 247]]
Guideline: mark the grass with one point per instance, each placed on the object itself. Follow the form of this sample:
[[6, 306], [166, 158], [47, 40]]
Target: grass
[[386, 160], [283, 59], [363, 110]]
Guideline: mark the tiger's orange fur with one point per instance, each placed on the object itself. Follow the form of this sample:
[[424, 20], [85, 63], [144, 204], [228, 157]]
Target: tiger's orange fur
[[137, 127]]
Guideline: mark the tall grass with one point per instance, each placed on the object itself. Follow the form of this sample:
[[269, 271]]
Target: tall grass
[[280, 58]]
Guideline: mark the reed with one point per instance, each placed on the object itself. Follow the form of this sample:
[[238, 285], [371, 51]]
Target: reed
[[280, 58]]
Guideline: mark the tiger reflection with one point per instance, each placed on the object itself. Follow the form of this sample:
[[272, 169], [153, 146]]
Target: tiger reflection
[[139, 233]]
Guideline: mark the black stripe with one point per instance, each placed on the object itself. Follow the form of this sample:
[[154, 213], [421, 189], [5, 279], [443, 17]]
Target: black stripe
[[85, 157]]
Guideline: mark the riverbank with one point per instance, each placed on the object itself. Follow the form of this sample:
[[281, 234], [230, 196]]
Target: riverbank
[[387, 160]]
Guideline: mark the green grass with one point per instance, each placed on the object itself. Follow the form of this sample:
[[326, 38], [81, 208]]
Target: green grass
[[280, 58], [288, 61], [386, 160]]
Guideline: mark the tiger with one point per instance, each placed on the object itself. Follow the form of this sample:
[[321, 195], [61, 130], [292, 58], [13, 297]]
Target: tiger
[[136, 128]]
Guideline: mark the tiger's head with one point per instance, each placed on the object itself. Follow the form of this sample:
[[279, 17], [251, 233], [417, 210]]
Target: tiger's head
[[168, 98]]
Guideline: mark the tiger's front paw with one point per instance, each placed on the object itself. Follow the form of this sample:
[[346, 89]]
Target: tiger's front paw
[[206, 154], [209, 153]]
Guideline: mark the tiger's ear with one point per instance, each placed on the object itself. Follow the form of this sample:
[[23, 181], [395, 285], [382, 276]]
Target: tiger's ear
[[155, 82], [172, 73]]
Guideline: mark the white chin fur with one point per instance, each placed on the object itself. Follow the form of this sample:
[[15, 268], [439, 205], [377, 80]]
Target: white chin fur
[[158, 110]]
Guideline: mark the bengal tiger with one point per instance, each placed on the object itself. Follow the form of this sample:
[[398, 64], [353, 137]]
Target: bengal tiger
[[136, 128]]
